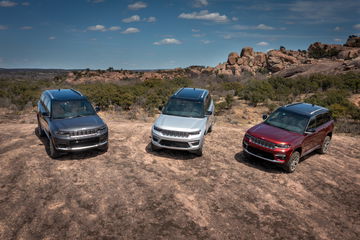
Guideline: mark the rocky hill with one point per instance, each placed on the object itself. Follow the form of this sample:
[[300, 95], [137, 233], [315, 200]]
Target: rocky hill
[[319, 58]]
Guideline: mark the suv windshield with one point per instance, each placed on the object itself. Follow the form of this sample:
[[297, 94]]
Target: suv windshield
[[184, 108], [71, 109], [287, 120]]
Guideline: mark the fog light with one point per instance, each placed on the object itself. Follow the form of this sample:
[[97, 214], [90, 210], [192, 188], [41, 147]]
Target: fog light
[[281, 156], [196, 143]]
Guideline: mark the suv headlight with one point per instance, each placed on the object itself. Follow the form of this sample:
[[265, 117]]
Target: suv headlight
[[62, 133], [195, 132], [282, 145], [102, 129], [247, 135], [157, 129]]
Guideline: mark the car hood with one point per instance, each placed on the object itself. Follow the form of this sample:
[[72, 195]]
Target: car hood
[[273, 134], [176, 123], [72, 124]]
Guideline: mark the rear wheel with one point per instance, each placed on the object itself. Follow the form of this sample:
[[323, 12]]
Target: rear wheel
[[325, 146], [39, 130], [53, 153], [291, 165]]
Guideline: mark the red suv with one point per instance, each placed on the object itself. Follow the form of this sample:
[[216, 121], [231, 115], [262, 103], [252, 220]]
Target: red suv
[[290, 132]]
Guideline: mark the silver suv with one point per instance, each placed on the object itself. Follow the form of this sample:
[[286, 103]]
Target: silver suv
[[70, 122], [184, 121]]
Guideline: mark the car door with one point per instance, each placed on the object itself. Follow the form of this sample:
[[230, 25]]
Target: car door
[[45, 115], [209, 107], [321, 127], [310, 140]]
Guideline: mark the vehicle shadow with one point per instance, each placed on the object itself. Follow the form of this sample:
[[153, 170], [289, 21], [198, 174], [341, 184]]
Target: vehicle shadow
[[69, 156], [257, 163], [169, 153]]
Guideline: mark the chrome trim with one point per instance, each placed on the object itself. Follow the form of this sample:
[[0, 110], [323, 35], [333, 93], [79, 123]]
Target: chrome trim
[[178, 91], [292, 104], [82, 148], [317, 110], [76, 91], [267, 159], [52, 97], [202, 95]]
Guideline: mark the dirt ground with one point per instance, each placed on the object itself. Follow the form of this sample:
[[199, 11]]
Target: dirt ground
[[133, 193]]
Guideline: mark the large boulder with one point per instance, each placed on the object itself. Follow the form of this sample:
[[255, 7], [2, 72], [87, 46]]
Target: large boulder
[[321, 50], [353, 41], [232, 58], [349, 53], [247, 52]]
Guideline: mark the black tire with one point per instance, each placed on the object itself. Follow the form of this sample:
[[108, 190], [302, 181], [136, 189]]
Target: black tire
[[154, 148], [325, 145], [53, 153], [40, 132], [198, 152], [247, 156], [294, 160], [104, 148], [210, 129]]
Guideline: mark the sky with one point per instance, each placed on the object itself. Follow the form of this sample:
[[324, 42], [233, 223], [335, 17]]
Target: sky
[[159, 34]]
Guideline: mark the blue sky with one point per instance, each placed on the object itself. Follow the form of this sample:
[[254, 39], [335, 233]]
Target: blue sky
[[129, 34]]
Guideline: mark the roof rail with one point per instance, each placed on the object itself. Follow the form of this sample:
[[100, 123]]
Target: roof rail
[[178, 91], [203, 94], [52, 97], [321, 108], [292, 104], [76, 92]]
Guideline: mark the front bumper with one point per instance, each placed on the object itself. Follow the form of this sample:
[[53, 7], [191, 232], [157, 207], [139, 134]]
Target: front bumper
[[80, 143], [177, 143], [276, 155]]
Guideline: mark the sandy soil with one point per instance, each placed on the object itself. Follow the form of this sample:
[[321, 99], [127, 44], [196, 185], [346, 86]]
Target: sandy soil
[[133, 193]]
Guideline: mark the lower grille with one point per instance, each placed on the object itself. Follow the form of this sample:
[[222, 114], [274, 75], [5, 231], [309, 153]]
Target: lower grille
[[174, 144], [260, 153], [84, 142]]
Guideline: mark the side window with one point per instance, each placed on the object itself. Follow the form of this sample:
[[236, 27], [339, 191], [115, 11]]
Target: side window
[[322, 119], [42, 98], [312, 123], [47, 104]]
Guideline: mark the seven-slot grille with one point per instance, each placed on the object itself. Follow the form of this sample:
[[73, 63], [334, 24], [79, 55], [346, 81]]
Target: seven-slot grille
[[85, 132], [175, 133], [261, 142]]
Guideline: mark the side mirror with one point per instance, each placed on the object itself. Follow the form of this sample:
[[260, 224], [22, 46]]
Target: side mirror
[[45, 114], [97, 109], [310, 131], [209, 113], [264, 116]]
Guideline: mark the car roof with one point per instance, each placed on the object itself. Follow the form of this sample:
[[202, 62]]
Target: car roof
[[64, 94], [306, 109], [195, 94]]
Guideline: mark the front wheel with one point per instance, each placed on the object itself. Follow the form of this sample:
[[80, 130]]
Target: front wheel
[[291, 165], [39, 130], [325, 146], [53, 153]]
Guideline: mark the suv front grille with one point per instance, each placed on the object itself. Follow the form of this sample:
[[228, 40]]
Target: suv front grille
[[175, 133], [260, 153], [85, 132], [174, 144], [261, 142]]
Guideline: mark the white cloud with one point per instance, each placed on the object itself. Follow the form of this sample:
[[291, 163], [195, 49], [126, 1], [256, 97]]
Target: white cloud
[[7, 4], [357, 26], [200, 3], [168, 41], [197, 35], [96, 1], [25, 3], [150, 19], [134, 18], [131, 30], [3, 27], [205, 41], [262, 44], [228, 36], [234, 19], [258, 27], [337, 28], [26, 28], [195, 30], [204, 15], [137, 6], [98, 27], [52, 38], [264, 27], [114, 28], [337, 40]]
